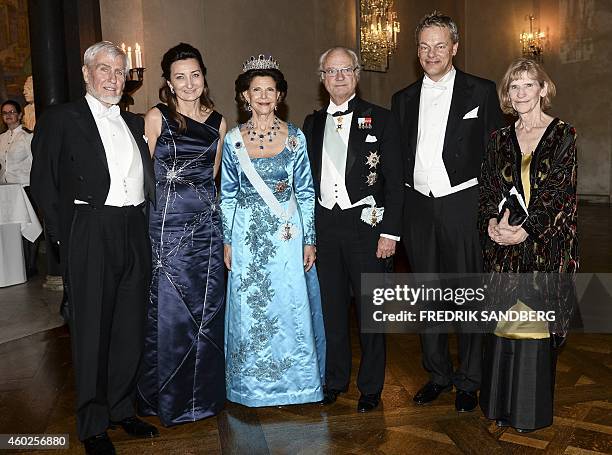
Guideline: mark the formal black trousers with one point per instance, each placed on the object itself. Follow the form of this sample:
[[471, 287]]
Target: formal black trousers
[[441, 236], [108, 274], [346, 248]]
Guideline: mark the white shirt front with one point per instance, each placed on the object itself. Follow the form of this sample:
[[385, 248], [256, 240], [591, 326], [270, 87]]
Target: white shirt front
[[430, 175], [333, 186], [15, 156], [122, 156]]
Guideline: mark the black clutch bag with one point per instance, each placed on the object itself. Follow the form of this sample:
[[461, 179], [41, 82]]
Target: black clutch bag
[[517, 213]]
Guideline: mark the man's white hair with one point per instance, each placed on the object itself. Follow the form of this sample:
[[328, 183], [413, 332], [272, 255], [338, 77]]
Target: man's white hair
[[107, 47], [351, 53]]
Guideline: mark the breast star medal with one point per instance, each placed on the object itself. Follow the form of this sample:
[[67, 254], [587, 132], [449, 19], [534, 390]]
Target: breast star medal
[[371, 178], [373, 159]]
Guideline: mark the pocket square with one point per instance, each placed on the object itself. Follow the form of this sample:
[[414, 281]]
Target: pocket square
[[370, 138], [472, 114]]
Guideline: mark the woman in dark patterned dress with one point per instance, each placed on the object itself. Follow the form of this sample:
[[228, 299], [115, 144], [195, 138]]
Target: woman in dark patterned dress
[[537, 156], [184, 366]]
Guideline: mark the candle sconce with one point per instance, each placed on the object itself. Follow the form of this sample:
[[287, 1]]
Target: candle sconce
[[132, 84]]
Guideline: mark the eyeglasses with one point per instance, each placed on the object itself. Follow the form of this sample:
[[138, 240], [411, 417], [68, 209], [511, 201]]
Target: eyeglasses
[[5, 114], [332, 72]]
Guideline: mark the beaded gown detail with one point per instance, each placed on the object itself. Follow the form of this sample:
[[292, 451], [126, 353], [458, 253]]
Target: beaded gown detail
[[183, 373], [274, 342]]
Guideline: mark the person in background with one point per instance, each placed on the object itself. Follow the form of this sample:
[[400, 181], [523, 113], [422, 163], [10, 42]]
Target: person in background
[[15, 165], [15, 153]]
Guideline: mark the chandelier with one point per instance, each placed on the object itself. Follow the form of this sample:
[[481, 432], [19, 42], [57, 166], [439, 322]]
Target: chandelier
[[533, 42], [378, 28]]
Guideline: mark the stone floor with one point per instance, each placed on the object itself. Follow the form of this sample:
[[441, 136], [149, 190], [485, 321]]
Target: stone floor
[[37, 394]]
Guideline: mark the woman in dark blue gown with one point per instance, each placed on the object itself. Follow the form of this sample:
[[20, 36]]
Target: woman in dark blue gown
[[183, 376]]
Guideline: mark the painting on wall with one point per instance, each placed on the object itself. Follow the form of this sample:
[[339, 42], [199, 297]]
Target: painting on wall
[[15, 63]]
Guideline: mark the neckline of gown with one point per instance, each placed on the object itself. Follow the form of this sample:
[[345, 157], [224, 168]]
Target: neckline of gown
[[546, 133], [205, 122]]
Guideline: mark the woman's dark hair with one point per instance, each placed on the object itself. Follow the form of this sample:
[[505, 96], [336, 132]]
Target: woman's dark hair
[[182, 51], [13, 103], [244, 82]]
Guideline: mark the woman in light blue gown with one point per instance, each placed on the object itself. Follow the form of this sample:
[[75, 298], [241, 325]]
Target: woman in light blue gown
[[274, 338]]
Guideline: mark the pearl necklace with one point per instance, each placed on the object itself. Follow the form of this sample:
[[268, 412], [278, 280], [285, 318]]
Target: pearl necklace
[[253, 134]]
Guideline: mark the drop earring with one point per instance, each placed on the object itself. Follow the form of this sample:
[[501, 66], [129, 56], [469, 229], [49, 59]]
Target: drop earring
[[171, 89], [248, 108]]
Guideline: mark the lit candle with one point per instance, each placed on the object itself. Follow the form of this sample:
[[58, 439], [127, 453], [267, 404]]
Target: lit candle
[[138, 56], [123, 47], [129, 57]]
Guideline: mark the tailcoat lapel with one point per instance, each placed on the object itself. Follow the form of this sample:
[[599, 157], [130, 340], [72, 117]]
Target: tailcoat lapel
[[318, 130], [412, 116], [357, 135], [462, 93], [84, 119]]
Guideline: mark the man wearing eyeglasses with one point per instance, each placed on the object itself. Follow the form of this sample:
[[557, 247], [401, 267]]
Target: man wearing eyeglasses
[[446, 119], [357, 171]]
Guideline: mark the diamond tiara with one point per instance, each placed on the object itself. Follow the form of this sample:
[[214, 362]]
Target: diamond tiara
[[259, 63]]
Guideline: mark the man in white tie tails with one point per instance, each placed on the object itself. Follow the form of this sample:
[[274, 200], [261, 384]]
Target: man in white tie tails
[[353, 148], [92, 177], [446, 120]]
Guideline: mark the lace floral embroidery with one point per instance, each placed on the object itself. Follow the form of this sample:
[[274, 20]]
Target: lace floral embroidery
[[256, 284]]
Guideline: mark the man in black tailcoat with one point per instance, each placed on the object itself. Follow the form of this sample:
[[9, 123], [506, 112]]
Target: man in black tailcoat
[[92, 177], [357, 171], [446, 118]]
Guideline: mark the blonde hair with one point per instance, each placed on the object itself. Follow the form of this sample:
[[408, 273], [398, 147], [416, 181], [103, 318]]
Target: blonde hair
[[514, 72], [437, 19]]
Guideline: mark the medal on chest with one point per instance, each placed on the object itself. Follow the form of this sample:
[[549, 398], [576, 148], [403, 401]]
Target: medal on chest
[[287, 231], [339, 121]]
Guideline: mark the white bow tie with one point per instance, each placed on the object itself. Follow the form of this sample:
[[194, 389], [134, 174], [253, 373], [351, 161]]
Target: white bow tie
[[428, 84], [111, 113]]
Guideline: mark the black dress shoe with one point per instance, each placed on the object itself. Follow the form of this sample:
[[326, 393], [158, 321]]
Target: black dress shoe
[[136, 427], [368, 402], [523, 430], [466, 401], [502, 423], [429, 392], [329, 396], [99, 445]]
